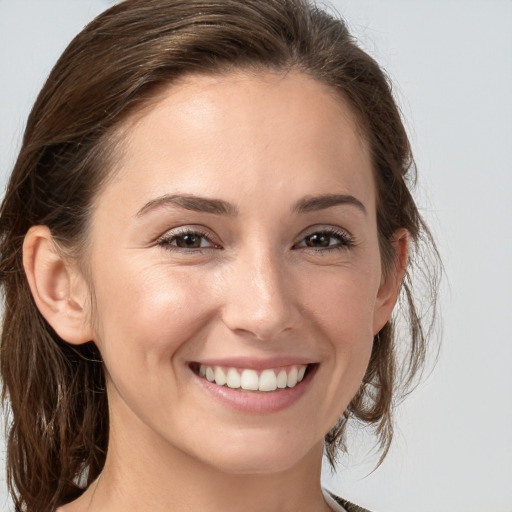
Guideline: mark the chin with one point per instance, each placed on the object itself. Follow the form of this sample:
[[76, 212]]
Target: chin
[[262, 454]]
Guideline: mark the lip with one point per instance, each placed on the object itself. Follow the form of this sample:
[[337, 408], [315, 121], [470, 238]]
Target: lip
[[256, 402]]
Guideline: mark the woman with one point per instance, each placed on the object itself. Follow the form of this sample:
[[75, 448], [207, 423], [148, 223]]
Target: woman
[[203, 240]]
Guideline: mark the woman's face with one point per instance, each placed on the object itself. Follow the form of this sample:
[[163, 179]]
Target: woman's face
[[237, 242]]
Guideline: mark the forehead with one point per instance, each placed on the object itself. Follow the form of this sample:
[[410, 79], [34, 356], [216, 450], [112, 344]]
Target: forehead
[[228, 133]]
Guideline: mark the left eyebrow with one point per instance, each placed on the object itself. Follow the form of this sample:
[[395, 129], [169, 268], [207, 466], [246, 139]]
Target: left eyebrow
[[315, 203]]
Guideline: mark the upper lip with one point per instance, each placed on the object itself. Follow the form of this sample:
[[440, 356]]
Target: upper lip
[[256, 363]]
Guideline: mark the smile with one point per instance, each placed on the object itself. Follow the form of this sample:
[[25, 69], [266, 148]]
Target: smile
[[248, 379], [255, 387]]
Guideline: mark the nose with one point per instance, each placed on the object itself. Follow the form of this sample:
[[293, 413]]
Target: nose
[[260, 299]]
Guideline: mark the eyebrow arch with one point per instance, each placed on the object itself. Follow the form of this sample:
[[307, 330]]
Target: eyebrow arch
[[191, 202], [313, 204]]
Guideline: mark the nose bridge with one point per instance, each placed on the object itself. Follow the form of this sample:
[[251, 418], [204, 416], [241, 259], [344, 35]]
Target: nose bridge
[[261, 297]]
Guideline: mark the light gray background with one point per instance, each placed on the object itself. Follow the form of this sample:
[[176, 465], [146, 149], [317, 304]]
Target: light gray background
[[451, 62]]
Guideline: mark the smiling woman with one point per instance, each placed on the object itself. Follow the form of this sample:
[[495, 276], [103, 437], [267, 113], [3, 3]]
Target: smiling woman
[[203, 240]]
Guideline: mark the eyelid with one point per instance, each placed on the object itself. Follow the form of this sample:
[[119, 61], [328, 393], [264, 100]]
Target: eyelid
[[347, 239]]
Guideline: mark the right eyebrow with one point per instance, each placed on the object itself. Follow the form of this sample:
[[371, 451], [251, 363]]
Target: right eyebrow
[[191, 202]]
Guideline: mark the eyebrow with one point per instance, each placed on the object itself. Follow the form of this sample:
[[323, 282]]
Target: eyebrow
[[315, 203], [191, 202], [220, 207]]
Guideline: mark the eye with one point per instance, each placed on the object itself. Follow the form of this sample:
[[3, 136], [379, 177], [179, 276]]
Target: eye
[[186, 239], [326, 240]]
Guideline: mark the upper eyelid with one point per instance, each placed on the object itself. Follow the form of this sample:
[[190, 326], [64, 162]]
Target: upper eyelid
[[341, 238], [184, 230], [181, 231], [334, 230]]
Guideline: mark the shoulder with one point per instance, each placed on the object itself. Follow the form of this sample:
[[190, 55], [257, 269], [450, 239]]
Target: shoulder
[[347, 506]]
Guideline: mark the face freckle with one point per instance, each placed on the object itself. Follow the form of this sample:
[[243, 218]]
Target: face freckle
[[239, 233]]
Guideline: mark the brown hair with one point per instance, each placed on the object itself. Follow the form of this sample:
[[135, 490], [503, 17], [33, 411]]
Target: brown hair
[[58, 433]]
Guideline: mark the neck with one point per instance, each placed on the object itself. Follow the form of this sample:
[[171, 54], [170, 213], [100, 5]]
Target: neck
[[153, 475], [180, 483]]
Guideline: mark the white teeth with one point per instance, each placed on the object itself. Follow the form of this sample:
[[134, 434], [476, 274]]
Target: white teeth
[[248, 379], [292, 378], [282, 379], [268, 381], [220, 376], [233, 378]]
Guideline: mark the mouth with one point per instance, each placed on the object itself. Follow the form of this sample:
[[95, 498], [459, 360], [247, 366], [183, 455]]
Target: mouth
[[250, 380]]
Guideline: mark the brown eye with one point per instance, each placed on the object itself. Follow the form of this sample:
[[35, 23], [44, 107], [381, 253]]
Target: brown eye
[[318, 240], [327, 240], [188, 241]]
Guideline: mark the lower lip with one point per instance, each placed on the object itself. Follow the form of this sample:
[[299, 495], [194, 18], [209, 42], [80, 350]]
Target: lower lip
[[258, 402]]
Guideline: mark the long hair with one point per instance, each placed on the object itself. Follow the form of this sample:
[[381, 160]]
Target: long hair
[[58, 434]]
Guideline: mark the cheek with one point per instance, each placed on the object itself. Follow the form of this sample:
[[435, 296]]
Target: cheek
[[344, 310], [348, 326], [343, 303], [144, 320]]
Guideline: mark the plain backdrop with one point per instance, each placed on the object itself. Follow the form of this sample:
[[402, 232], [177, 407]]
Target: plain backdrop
[[451, 64]]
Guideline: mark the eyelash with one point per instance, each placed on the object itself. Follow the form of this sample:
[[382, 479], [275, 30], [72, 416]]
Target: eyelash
[[167, 240], [345, 241]]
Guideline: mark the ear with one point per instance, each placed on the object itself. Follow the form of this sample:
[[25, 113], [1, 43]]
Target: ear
[[390, 283], [58, 287]]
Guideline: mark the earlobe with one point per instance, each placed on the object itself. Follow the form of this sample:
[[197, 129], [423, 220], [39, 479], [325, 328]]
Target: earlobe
[[390, 285], [53, 283]]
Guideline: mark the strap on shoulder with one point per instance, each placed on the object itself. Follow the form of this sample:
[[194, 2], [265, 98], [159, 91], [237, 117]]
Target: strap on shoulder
[[349, 507]]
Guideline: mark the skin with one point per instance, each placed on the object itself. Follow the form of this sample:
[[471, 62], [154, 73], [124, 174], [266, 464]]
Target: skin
[[260, 286]]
